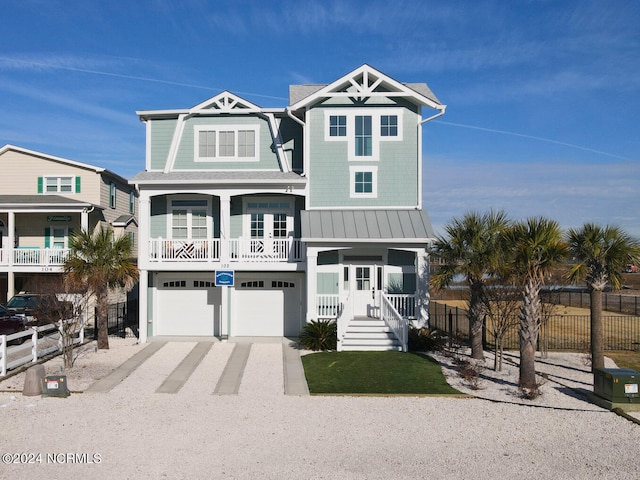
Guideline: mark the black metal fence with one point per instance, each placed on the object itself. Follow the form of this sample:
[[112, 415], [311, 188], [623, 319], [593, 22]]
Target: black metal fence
[[558, 332], [122, 319], [611, 302]]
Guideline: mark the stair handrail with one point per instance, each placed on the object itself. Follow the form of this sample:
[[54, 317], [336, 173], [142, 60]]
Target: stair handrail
[[342, 320], [396, 322]]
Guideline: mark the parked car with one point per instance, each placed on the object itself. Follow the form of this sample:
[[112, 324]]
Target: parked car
[[37, 309], [10, 323]]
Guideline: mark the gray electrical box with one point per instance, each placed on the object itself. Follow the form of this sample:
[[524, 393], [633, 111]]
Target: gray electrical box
[[55, 386], [617, 385]]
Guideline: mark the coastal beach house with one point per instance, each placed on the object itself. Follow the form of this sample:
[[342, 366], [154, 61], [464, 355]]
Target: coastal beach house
[[43, 200], [254, 221]]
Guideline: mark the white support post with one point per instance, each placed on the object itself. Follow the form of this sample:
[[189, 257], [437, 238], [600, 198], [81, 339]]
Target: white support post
[[143, 311], [312, 287], [225, 221], [422, 290]]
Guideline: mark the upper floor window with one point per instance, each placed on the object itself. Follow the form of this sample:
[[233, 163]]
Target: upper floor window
[[364, 139], [132, 203], [338, 126], [190, 219], [389, 126], [112, 195], [59, 184], [238, 143], [364, 182]]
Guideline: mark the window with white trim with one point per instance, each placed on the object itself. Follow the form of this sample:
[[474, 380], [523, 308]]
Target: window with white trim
[[364, 136], [112, 195], [225, 143], [364, 181], [190, 219], [389, 126], [337, 125], [132, 202], [59, 184]]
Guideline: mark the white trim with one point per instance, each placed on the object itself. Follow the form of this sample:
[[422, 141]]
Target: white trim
[[353, 169], [46, 156], [225, 128], [376, 115], [58, 190]]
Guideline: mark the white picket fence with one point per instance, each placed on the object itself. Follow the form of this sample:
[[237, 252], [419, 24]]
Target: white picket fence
[[37, 342]]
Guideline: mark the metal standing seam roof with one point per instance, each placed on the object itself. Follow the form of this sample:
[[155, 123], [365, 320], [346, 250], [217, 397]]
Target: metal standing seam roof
[[365, 225]]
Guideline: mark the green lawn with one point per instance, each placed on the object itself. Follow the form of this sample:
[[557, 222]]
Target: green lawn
[[387, 373], [625, 359]]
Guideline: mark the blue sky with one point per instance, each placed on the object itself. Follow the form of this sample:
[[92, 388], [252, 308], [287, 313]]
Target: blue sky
[[542, 96]]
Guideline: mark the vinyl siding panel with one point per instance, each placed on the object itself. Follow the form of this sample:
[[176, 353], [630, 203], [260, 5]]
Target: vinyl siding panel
[[161, 136], [397, 167], [267, 159]]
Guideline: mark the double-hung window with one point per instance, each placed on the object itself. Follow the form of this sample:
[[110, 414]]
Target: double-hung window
[[226, 143], [112, 195], [59, 184]]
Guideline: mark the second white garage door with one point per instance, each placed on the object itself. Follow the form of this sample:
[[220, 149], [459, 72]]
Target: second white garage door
[[267, 308]]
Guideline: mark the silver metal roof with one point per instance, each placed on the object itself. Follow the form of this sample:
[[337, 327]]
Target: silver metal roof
[[361, 225]]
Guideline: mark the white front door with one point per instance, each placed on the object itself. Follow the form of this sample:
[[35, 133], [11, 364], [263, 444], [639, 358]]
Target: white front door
[[366, 281]]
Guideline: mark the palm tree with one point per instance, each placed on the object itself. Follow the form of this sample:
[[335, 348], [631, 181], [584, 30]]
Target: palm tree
[[601, 254], [101, 263], [536, 247], [471, 248]]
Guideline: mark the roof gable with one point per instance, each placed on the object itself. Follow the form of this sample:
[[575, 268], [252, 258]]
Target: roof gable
[[226, 102], [46, 156], [366, 82]]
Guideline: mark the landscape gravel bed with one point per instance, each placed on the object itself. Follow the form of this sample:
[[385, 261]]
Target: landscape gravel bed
[[133, 432]]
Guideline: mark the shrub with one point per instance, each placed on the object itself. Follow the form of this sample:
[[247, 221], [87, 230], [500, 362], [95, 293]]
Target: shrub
[[426, 339], [319, 335]]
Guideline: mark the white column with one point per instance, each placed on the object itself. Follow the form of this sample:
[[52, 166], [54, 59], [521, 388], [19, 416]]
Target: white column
[[11, 235], [11, 284], [84, 220], [312, 283], [144, 214], [143, 303], [225, 225], [422, 288]]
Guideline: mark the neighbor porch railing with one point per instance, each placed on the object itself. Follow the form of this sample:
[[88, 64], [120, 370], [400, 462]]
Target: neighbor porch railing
[[396, 322], [34, 256]]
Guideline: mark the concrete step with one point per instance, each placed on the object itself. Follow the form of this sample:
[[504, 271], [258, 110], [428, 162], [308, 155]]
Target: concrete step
[[368, 329], [371, 348], [371, 335], [370, 341]]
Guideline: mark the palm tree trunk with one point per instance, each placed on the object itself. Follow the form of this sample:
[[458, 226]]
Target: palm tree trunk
[[597, 334], [529, 328], [102, 307], [476, 321]]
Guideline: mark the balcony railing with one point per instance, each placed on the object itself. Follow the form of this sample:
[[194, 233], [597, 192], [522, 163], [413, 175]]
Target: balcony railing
[[266, 250], [240, 250], [185, 250], [33, 256]]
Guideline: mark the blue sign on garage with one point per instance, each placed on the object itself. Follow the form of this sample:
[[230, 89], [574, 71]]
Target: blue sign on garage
[[224, 278]]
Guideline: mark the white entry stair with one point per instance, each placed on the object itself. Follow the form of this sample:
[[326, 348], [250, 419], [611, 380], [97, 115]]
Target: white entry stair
[[369, 333]]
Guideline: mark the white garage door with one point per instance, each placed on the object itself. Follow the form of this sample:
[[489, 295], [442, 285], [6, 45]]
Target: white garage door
[[187, 307], [266, 308]]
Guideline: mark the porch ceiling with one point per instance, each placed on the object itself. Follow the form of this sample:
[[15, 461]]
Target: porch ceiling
[[366, 225], [217, 177]]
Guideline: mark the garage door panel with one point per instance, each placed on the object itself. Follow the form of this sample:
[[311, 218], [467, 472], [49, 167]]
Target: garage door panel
[[260, 313], [187, 311]]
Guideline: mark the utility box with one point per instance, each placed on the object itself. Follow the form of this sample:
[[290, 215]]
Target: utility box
[[617, 385], [55, 386]]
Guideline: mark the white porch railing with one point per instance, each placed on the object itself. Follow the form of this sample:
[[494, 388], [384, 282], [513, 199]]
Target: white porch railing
[[184, 250], [266, 250], [395, 321], [342, 322], [327, 307], [35, 346], [405, 304], [33, 256]]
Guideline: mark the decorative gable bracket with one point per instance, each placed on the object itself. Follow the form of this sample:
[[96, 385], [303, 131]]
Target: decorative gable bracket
[[225, 102]]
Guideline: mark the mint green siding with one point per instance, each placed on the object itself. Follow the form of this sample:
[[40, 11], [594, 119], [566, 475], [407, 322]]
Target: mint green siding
[[161, 136], [267, 159], [397, 166], [159, 218], [327, 283]]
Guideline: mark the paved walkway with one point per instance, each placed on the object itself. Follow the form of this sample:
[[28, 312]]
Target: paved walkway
[[231, 378]]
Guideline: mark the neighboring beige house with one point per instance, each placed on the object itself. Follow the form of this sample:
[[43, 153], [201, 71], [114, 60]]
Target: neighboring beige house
[[43, 200]]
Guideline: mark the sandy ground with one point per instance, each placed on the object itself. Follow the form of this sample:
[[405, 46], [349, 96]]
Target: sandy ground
[[133, 432]]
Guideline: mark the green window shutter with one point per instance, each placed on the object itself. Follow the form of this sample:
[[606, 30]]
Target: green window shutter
[[69, 235], [40, 184], [77, 184], [47, 235]]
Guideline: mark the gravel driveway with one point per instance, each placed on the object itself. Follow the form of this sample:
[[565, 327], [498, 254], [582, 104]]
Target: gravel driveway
[[133, 432]]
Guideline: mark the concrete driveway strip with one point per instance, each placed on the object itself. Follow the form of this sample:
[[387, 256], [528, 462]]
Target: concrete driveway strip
[[123, 371], [174, 382], [229, 382], [295, 383]]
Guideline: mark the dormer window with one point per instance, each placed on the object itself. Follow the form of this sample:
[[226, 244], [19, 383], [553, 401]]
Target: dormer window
[[226, 143]]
